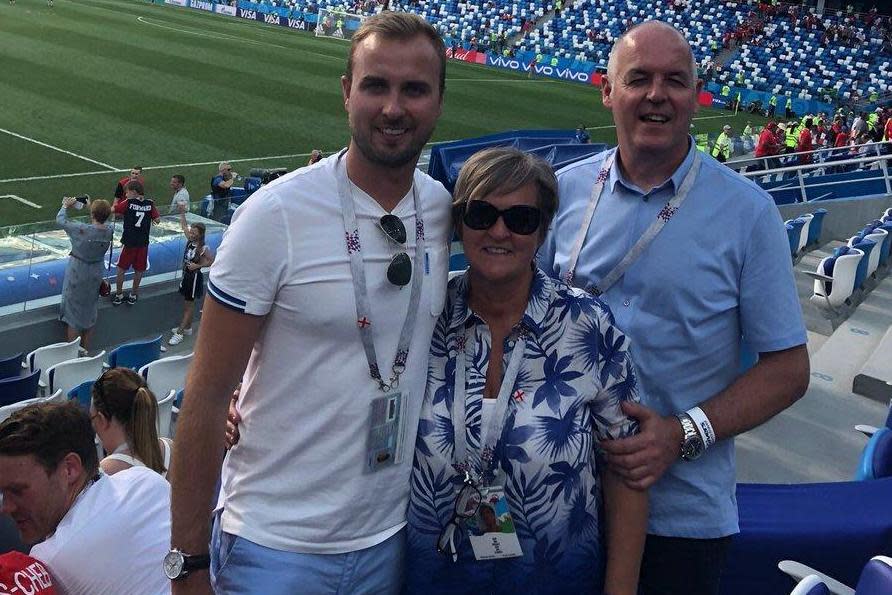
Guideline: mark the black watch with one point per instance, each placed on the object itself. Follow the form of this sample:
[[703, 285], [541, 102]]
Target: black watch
[[178, 565], [692, 445]]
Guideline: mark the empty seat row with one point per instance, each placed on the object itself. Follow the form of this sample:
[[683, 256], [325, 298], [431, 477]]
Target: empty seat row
[[865, 256]]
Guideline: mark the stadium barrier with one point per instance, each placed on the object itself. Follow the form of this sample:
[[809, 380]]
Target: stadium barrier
[[35, 256], [747, 96]]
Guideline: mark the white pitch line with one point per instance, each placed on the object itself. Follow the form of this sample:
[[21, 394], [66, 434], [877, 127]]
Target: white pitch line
[[223, 36], [55, 148], [174, 165], [171, 166], [21, 200]]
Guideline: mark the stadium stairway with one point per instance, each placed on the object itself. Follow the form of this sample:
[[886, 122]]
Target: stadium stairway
[[814, 440]]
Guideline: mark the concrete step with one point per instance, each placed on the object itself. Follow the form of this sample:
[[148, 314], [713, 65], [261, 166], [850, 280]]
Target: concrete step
[[813, 440], [874, 380]]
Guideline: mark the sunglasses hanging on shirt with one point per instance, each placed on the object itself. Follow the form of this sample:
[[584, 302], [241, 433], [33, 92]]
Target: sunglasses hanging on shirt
[[399, 272], [520, 219]]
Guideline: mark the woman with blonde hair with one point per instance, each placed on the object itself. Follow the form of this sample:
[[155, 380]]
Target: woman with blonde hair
[[79, 307], [124, 414]]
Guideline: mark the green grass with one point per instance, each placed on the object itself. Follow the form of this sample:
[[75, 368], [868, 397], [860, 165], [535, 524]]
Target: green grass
[[121, 83]]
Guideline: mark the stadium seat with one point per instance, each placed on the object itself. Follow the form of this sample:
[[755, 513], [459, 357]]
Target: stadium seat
[[876, 459], [166, 374], [866, 247], [165, 410], [68, 375], [879, 237], [803, 236], [835, 278], [794, 234], [811, 585], [875, 579], [817, 225], [136, 354], [82, 393], [43, 358], [11, 366], [19, 388], [8, 410]]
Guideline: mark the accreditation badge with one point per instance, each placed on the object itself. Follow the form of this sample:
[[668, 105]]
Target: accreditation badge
[[384, 444], [491, 531]]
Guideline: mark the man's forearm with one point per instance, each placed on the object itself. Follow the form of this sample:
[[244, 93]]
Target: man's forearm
[[224, 345], [626, 511], [777, 381]]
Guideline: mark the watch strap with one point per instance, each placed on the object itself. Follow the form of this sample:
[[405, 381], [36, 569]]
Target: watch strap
[[196, 562]]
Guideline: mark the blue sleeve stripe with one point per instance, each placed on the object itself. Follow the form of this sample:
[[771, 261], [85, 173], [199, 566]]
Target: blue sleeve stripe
[[226, 299]]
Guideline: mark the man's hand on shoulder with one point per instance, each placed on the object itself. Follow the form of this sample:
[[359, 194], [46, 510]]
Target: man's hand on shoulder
[[642, 459]]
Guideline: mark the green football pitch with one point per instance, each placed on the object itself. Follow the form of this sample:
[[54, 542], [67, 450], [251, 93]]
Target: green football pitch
[[91, 87]]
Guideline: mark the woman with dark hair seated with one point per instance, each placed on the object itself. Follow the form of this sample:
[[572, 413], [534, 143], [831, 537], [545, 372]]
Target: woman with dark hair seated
[[124, 414]]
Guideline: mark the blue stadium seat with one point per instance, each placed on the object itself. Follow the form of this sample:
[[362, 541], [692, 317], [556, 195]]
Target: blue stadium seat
[[83, 394], [11, 366], [817, 225], [865, 246], [136, 354], [19, 388], [835, 277], [876, 459]]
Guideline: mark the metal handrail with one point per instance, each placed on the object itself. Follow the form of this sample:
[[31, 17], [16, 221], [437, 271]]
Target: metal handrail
[[748, 160], [863, 162]]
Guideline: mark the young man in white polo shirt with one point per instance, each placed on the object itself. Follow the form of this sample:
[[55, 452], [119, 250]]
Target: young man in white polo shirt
[[327, 285]]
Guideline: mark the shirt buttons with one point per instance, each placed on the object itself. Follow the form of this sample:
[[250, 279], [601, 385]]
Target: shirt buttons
[[627, 302]]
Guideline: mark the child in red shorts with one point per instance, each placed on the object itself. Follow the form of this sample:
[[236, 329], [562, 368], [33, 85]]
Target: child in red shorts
[[139, 213]]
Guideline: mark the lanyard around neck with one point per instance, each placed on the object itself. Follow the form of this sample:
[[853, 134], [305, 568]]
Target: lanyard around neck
[[360, 288], [481, 461], [663, 217]]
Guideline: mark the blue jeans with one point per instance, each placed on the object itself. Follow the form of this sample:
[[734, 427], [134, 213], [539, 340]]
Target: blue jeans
[[241, 567]]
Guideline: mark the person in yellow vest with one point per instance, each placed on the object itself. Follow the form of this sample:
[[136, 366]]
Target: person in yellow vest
[[739, 77], [748, 129], [792, 138], [554, 61], [789, 108], [772, 106], [726, 91], [722, 148]]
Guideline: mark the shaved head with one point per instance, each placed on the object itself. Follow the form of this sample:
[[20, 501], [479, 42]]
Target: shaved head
[[649, 31]]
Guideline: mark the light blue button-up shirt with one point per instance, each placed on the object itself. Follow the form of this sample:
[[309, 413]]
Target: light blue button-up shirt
[[720, 269]]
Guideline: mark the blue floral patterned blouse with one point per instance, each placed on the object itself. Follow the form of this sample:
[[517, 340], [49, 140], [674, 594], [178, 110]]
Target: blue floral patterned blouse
[[575, 373]]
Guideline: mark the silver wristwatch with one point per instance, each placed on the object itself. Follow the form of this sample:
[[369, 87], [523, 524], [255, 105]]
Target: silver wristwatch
[[178, 565], [692, 445]]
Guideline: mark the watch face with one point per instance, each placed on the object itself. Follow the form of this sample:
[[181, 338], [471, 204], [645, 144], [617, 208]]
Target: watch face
[[692, 448], [173, 564]]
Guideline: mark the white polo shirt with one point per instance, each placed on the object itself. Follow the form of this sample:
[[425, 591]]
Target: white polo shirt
[[297, 481], [113, 538]]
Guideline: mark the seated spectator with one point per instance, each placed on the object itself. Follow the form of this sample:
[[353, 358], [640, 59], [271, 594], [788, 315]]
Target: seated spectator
[[124, 414], [97, 535]]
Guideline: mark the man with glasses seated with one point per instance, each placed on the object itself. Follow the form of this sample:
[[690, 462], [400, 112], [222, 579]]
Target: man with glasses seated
[[327, 286], [97, 534]]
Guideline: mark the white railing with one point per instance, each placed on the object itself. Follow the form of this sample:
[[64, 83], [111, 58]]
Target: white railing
[[818, 155], [878, 163]]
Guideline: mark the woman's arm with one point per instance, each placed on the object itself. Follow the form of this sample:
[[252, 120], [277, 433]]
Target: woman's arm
[[626, 517], [207, 257], [183, 225]]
